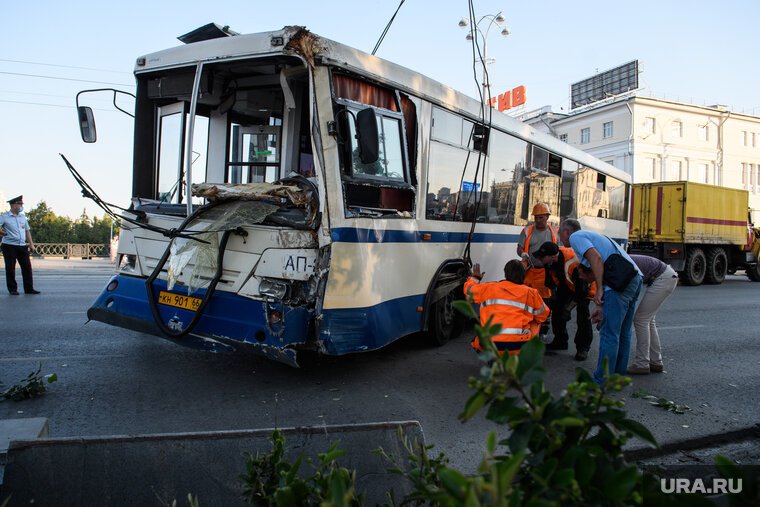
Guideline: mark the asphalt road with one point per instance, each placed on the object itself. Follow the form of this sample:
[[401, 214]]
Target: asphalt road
[[118, 382]]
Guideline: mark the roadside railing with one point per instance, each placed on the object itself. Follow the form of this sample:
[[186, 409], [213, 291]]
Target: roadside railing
[[69, 250]]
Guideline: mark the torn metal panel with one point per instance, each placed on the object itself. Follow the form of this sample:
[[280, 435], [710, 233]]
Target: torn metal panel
[[304, 44], [251, 191]]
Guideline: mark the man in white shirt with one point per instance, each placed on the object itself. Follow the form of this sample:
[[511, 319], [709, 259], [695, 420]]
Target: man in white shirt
[[17, 244]]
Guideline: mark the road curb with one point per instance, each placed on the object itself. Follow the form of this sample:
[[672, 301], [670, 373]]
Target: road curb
[[713, 441]]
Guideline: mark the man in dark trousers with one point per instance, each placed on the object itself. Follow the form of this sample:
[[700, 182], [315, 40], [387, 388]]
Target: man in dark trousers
[[17, 243], [570, 290]]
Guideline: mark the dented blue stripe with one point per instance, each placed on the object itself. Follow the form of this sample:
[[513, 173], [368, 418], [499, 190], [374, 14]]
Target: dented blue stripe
[[347, 330]]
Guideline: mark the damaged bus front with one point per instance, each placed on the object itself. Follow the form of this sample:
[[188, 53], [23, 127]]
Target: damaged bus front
[[240, 263]]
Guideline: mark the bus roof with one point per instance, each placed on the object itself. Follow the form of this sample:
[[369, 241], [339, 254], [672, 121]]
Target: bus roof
[[337, 54]]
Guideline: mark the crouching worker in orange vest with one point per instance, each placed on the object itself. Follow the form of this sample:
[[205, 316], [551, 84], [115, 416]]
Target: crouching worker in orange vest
[[518, 308]]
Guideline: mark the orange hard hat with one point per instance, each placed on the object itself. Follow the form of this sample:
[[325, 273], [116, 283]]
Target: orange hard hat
[[541, 209]]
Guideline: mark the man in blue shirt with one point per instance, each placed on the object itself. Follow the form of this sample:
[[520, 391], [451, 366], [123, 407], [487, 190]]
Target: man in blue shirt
[[15, 234], [614, 309]]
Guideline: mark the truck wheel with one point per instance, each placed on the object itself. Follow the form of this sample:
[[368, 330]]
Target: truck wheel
[[753, 272], [717, 266], [694, 271], [445, 321]]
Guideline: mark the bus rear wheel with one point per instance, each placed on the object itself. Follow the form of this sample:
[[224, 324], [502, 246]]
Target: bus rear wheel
[[696, 265], [445, 321], [717, 266]]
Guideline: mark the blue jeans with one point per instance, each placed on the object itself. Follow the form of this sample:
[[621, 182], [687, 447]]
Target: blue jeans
[[617, 327]]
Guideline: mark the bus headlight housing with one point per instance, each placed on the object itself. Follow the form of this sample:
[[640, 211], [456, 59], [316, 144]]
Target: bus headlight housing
[[128, 263], [273, 288]]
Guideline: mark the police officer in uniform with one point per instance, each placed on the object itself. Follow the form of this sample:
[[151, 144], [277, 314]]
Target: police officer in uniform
[[17, 244]]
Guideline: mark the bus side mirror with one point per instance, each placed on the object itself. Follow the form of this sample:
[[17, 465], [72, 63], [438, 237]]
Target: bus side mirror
[[366, 134], [87, 124]]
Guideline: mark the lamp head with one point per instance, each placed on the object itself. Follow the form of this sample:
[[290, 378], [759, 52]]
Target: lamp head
[[464, 22]]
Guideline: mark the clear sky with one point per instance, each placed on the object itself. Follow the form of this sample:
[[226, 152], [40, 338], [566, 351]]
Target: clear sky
[[702, 52]]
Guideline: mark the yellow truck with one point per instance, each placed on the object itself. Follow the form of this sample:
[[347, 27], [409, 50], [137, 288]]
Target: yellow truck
[[703, 231]]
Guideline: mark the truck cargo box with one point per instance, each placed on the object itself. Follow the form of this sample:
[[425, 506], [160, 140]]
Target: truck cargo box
[[689, 213]]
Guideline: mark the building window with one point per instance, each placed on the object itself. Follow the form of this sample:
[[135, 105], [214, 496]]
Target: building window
[[563, 138], [745, 138], [585, 135], [650, 168], [607, 129], [676, 129], [706, 174], [753, 139], [649, 125], [751, 175], [704, 134], [675, 170], [744, 174]]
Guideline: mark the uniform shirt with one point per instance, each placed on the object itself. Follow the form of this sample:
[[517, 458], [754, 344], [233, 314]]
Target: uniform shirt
[[16, 227], [581, 241], [537, 238]]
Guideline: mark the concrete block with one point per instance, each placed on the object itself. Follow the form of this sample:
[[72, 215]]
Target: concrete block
[[22, 429], [156, 469]]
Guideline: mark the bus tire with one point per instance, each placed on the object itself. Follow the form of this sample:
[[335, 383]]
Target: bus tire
[[694, 271], [753, 272], [445, 321], [717, 266]]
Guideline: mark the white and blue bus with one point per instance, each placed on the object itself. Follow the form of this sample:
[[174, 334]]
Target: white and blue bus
[[291, 193]]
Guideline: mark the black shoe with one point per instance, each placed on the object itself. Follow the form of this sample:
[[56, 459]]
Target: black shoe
[[556, 346], [581, 355], [31, 291], [13, 292]]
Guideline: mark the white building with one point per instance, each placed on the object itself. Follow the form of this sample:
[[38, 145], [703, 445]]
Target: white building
[[660, 140]]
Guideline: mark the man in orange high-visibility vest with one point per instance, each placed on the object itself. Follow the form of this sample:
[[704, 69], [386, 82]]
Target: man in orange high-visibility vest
[[531, 238], [571, 290], [518, 308]]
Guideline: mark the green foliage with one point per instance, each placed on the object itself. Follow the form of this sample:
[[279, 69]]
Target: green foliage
[[565, 449], [661, 402], [47, 227], [423, 471], [33, 385], [270, 480]]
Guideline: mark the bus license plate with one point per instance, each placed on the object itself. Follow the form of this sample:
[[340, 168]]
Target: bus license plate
[[179, 301]]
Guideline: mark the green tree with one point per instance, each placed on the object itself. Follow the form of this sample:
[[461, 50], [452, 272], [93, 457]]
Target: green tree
[[47, 227]]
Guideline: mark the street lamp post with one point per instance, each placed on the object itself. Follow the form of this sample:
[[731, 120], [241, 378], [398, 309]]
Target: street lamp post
[[476, 31]]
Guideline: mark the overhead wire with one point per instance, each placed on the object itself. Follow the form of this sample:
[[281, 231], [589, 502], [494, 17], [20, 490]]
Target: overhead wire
[[485, 116], [63, 78], [64, 66], [387, 27]]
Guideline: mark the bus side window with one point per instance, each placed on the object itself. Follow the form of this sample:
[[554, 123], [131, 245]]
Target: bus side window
[[506, 172], [593, 194]]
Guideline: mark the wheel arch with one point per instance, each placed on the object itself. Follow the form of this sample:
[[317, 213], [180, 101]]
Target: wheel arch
[[450, 273]]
